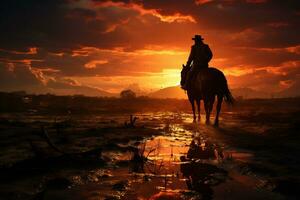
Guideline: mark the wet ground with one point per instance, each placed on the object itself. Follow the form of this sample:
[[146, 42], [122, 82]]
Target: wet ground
[[161, 156]]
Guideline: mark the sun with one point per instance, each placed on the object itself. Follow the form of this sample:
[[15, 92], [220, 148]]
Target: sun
[[170, 77]]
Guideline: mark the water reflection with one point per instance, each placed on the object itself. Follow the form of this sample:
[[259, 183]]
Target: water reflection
[[201, 176], [179, 165]]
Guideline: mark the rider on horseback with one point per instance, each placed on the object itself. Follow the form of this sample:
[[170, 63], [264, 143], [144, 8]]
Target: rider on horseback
[[200, 55]]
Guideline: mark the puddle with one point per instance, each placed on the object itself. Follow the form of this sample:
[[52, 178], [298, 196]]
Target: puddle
[[186, 162], [183, 165]]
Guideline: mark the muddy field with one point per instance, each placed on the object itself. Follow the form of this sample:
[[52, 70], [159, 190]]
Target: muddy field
[[158, 154]]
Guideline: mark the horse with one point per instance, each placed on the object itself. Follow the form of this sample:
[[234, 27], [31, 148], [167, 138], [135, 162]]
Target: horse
[[206, 85]]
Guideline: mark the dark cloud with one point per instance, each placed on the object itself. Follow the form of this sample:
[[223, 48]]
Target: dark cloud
[[268, 80], [68, 86], [18, 77], [54, 25], [47, 40], [21, 77], [60, 25]]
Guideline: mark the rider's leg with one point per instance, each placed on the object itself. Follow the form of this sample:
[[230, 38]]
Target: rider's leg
[[189, 77], [187, 80]]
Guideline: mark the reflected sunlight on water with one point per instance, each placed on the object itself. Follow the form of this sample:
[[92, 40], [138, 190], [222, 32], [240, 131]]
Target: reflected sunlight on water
[[184, 161]]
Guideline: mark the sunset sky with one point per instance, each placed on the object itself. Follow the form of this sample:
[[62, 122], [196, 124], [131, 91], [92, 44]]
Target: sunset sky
[[86, 46]]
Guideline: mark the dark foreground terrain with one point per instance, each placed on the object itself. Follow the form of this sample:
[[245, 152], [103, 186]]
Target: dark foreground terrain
[[69, 148]]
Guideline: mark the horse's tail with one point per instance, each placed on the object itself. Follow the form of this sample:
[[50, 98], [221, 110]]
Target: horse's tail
[[228, 97], [227, 94]]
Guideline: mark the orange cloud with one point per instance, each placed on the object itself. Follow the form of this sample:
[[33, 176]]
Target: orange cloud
[[292, 49], [295, 49], [31, 51], [176, 17], [237, 71], [256, 1], [285, 84], [246, 35], [160, 52], [57, 54], [201, 2], [278, 24], [93, 64], [21, 61], [39, 75], [84, 51]]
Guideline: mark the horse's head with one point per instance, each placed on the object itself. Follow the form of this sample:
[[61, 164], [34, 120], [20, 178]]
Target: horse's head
[[184, 72]]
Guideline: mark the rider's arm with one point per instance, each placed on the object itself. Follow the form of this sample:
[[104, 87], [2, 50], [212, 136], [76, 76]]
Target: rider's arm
[[191, 57], [209, 53]]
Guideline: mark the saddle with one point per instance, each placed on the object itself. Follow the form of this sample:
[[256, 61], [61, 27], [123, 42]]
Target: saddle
[[202, 75]]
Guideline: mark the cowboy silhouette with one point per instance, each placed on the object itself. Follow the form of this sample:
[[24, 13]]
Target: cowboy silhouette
[[199, 57]]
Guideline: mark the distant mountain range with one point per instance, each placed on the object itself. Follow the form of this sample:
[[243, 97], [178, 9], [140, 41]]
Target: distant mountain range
[[169, 92], [175, 92], [86, 91], [246, 93], [97, 92]]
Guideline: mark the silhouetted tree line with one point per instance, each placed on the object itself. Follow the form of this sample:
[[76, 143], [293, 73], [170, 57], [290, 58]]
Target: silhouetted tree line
[[77, 104], [127, 103], [127, 94]]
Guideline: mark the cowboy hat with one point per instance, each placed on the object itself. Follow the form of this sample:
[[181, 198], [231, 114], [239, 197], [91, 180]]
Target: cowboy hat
[[197, 37]]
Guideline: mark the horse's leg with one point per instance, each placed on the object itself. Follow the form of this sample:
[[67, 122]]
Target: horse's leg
[[219, 104], [198, 107], [206, 106], [211, 103], [193, 108]]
